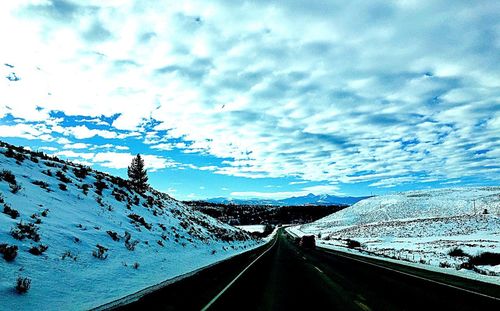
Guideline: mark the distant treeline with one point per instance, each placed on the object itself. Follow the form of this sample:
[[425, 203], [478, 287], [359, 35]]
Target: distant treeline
[[264, 214]]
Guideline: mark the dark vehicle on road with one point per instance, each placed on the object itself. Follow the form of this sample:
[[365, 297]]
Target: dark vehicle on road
[[307, 241]]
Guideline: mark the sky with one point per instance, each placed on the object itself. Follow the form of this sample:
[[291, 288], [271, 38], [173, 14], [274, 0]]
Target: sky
[[266, 99]]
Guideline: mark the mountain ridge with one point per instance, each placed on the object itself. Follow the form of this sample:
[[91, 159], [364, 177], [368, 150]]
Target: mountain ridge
[[309, 199]]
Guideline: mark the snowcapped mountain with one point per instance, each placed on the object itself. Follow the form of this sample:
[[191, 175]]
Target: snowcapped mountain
[[420, 226], [84, 238], [310, 199]]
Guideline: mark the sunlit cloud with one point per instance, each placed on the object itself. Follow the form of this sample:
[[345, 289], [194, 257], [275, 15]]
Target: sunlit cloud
[[382, 92]]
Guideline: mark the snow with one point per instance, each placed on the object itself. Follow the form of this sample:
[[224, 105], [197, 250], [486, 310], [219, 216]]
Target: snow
[[75, 223], [419, 227], [252, 228]]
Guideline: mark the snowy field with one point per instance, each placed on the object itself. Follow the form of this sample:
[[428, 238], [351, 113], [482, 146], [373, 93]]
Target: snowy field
[[103, 240], [252, 228], [421, 227]]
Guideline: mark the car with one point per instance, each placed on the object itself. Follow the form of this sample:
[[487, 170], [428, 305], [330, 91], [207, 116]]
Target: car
[[307, 241]]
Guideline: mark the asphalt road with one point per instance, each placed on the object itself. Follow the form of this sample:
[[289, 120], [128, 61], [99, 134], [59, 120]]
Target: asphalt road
[[288, 277]]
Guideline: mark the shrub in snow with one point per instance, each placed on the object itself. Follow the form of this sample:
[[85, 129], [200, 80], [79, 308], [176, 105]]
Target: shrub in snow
[[139, 219], [130, 245], [34, 159], [38, 250], [23, 285], [23, 231], [352, 243], [113, 235], [45, 212], [486, 258], [100, 252], [63, 178], [9, 153], [68, 254], [136, 200], [457, 252], [7, 176], [41, 184], [467, 265], [100, 186], [136, 265], [9, 252], [47, 172], [14, 188], [85, 188], [63, 187], [119, 194], [81, 172], [10, 211], [444, 264]]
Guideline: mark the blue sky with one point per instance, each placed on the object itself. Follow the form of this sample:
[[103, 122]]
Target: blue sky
[[261, 99]]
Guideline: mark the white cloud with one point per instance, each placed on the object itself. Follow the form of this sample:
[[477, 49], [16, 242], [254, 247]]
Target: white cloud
[[388, 92], [82, 132], [76, 146], [20, 130]]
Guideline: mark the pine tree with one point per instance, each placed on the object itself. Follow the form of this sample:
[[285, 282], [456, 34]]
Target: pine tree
[[137, 175]]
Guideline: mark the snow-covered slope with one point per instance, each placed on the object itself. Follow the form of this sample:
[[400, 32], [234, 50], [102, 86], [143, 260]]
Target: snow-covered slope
[[417, 204], [103, 239], [421, 226]]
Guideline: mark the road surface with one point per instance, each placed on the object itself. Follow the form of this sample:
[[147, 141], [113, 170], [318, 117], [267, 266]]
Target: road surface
[[287, 277]]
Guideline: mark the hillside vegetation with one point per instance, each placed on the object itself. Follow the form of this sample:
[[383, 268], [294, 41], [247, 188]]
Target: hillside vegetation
[[74, 238]]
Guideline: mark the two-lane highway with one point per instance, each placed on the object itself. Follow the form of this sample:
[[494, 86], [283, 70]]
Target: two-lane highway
[[288, 277]]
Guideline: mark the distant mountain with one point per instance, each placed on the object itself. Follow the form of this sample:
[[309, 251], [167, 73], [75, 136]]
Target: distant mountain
[[310, 199]]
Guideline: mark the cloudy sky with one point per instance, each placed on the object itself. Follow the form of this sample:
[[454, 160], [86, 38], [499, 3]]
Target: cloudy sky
[[259, 98]]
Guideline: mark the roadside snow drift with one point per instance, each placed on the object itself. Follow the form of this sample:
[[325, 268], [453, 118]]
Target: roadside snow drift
[[82, 238], [449, 228]]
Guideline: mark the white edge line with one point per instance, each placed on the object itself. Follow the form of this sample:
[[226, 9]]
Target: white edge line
[[326, 250], [148, 290], [237, 277]]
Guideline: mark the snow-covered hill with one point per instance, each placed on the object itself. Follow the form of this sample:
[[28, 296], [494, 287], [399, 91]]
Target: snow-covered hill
[[84, 238], [421, 226]]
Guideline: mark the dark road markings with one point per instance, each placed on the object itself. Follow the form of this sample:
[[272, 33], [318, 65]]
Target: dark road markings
[[413, 275], [237, 277]]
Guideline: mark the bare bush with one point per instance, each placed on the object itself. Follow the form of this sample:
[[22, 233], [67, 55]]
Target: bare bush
[[353, 243], [42, 184], [68, 254], [100, 252], [9, 252], [139, 219], [130, 245], [38, 250], [23, 284], [25, 231], [10, 211], [8, 177], [113, 235], [457, 252]]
